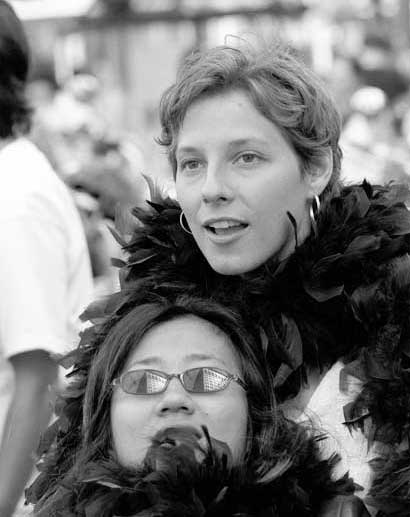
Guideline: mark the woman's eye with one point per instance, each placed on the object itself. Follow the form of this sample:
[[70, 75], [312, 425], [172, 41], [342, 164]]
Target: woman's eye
[[248, 158], [190, 165]]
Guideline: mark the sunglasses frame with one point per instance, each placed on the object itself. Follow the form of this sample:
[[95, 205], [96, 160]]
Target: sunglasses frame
[[169, 376]]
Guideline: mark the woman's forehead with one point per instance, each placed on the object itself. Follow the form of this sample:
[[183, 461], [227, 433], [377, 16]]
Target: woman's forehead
[[185, 338], [229, 119]]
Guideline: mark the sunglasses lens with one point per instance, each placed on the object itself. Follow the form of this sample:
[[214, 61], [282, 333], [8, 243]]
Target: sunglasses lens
[[203, 380], [143, 382]]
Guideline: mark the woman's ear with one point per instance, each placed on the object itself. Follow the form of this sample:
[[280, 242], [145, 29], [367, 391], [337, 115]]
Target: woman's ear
[[320, 172]]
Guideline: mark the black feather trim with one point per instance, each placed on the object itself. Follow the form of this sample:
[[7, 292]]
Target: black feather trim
[[180, 477], [343, 294], [391, 487]]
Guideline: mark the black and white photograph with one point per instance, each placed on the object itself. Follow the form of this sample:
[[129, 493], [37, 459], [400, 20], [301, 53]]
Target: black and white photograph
[[204, 258]]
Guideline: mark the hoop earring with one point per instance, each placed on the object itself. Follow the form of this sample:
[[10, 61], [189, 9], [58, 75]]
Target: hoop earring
[[314, 212], [181, 222]]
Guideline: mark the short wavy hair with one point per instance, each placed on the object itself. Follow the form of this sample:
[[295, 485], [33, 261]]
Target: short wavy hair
[[280, 86], [15, 112]]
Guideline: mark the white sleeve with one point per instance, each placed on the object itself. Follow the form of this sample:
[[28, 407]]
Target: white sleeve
[[33, 285]]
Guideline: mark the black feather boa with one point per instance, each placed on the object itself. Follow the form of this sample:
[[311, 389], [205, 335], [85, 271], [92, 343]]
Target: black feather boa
[[181, 477], [343, 294]]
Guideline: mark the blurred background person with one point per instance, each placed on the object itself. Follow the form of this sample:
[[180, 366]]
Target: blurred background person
[[45, 274], [108, 178], [373, 147], [101, 166]]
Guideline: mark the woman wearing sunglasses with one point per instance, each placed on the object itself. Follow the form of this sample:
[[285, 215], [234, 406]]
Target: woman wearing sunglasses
[[170, 412]]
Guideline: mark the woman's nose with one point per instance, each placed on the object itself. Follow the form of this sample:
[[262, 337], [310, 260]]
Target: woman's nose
[[215, 187], [175, 399]]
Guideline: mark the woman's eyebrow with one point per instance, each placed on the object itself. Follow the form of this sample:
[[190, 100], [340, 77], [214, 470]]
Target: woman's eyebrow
[[186, 149], [158, 361], [150, 360], [204, 357], [246, 141], [232, 144]]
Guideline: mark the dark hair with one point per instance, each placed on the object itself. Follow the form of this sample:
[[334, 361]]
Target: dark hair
[[14, 68], [128, 332], [281, 87], [84, 433]]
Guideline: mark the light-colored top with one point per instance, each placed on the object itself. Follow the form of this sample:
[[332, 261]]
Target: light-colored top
[[325, 408], [45, 274], [325, 411]]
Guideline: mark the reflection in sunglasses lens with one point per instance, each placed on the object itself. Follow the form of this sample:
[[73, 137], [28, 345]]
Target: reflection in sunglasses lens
[[195, 380], [202, 380], [143, 382]]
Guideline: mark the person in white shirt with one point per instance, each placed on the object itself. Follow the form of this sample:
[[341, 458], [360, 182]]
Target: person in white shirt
[[45, 274]]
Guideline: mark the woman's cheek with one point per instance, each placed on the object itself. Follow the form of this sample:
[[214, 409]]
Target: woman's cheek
[[229, 423], [130, 431]]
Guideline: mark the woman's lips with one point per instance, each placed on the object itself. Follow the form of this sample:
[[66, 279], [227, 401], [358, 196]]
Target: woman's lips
[[226, 230], [225, 235], [173, 434]]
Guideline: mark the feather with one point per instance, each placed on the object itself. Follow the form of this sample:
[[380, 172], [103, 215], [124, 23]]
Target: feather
[[344, 294], [391, 487], [182, 477]]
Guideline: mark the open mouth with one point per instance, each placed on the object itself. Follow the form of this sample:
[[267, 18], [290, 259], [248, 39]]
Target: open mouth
[[226, 227]]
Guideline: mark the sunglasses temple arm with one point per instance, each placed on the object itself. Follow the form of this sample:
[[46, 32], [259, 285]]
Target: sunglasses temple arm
[[239, 381]]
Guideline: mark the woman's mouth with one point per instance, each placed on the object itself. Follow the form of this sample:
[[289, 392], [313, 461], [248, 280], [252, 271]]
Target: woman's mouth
[[225, 227], [171, 436], [175, 444], [172, 432]]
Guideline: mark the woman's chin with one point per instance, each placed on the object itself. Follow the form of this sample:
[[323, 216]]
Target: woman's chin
[[230, 266]]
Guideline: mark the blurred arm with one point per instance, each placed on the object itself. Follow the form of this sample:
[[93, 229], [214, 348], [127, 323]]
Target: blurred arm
[[28, 416], [33, 276]]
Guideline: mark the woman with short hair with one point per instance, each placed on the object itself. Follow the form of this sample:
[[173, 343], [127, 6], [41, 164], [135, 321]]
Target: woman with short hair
[[264, 226]]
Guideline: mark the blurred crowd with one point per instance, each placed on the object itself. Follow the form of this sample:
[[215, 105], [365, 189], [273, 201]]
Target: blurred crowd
[[376, 116], [103, 168]]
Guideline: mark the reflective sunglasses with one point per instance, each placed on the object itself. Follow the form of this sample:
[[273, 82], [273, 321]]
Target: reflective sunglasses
[[205, 379]]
